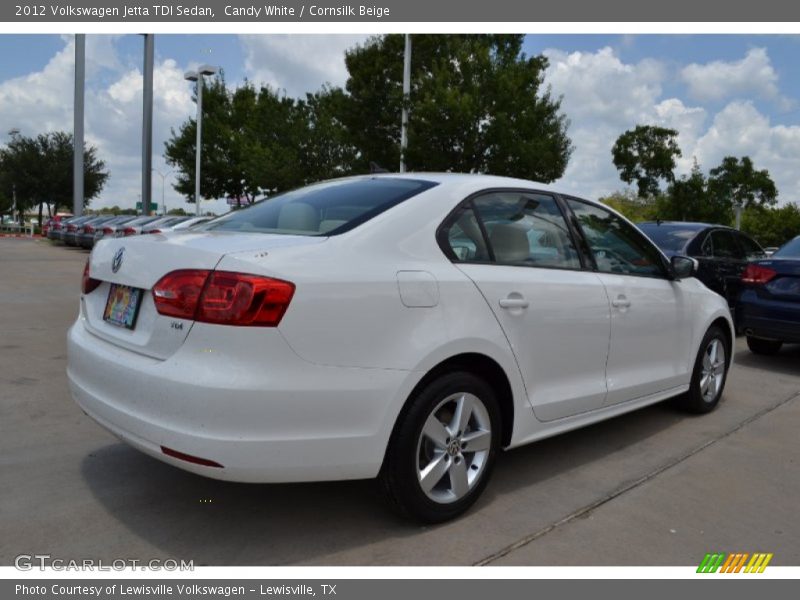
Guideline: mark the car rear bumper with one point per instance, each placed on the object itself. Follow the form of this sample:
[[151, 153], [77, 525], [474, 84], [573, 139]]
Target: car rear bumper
[[264, 416], [769, 319]]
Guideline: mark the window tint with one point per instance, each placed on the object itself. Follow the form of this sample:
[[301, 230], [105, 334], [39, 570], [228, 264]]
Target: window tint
[[751, 249], [527, 229], [617, 246], [725, 245], [322, 209]]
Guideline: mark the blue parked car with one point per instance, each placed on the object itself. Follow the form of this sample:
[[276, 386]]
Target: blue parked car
[[769, 304]]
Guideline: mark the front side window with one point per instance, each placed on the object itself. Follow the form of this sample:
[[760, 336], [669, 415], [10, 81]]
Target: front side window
[[526, 229], [617, 246], [323, 209]]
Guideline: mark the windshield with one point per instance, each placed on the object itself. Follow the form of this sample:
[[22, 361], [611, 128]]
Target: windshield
[[789, 249], [323, 209], [669, 239]]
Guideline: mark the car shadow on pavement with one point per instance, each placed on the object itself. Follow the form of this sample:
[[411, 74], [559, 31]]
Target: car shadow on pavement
[[785, 362], [222, 523]]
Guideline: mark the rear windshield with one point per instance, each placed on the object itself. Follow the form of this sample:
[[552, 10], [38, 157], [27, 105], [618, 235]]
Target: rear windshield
[[669, 239], [789, 249], [323, 209]]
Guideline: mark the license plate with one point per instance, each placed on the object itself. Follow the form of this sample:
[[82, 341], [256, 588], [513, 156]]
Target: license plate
[[122, 306]]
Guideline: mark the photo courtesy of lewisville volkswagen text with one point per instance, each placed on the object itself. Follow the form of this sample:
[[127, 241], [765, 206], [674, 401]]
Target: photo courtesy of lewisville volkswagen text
[[291, 290]]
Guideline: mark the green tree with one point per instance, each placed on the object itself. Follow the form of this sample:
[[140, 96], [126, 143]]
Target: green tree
[[260, 142], [772, 226], [477, 104], [632, 206], [6, 204], [326, 149], [738, 183], [40, 170], [646, 155], [691, 199]]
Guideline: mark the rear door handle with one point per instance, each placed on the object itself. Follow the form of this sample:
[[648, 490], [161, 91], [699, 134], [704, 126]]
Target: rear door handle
[[621, 302], [514, 303]]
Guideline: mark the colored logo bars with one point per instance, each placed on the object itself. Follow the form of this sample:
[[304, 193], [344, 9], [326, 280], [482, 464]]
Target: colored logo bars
[[734, 562]]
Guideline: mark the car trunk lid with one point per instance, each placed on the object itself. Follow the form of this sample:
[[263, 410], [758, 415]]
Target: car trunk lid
[[139, 263]]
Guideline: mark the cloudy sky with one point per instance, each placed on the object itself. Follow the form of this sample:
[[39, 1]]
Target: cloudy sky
[[725, 94]]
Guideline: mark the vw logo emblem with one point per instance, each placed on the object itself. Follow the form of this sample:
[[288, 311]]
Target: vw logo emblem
[[116, 262]]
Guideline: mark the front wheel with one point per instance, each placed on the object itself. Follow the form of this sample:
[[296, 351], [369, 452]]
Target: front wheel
[[443, 448], [709, 374]]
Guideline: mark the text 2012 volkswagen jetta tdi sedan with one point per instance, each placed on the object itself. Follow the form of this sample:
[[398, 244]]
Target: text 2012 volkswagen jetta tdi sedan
[[400, 326]]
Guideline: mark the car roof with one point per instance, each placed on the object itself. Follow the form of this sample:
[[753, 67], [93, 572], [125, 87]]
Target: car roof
[[477, 181], [688, 225]]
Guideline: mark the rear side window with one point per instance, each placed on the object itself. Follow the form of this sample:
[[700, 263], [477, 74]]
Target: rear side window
[[725, 245], [751, 248], [465, 238], [323, 209], [512, 228]]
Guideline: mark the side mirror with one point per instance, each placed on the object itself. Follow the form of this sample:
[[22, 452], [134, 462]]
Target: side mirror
[[683, 266]]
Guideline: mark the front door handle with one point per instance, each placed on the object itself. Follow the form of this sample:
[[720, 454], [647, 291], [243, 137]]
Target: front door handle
[[514, 303], [621, 302]]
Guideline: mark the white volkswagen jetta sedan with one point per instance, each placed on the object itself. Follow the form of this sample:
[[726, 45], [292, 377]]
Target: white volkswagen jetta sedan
[[405, 327]]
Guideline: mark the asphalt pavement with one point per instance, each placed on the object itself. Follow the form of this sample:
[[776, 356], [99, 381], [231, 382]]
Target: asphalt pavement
[[655, 487]]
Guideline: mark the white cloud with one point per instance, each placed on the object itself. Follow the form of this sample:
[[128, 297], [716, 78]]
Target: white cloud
[[42, 101], [740, 129], [297, 63], [604, 96], [753, 75]]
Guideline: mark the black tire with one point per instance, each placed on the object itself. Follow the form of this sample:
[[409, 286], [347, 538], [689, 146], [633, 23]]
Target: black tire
[[406, 451], [762, 346], [696, 400]]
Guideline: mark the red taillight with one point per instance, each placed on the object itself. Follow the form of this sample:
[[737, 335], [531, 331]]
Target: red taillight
[[88, 229], [128, 231], [107, 231], [153, 231], [757, 275], [223, 297], [88, 285], [176, 294]]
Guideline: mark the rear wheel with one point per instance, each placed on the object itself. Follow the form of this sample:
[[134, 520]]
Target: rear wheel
[[443, 448], [709, 374], [762, 346]]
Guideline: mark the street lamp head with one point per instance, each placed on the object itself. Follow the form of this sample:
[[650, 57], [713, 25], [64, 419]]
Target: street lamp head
[[190, 76], [207, 70]]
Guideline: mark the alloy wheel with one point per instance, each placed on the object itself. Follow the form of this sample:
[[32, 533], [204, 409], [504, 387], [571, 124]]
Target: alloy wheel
[[453, 448]]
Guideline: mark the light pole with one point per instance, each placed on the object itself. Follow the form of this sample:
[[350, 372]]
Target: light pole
[[406, 95], [13, 132], [197, 76], [77, 125], [163, 182]]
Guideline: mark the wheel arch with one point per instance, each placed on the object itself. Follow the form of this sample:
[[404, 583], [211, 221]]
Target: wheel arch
[[483, 366], [730, 335]]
